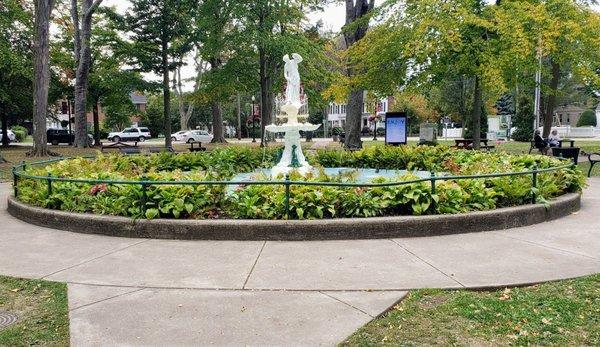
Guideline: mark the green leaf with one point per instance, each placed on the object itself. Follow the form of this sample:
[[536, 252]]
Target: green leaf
[[151, 213]]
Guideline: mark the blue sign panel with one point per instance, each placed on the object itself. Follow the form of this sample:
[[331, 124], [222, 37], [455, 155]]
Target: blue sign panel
[[396, 127]]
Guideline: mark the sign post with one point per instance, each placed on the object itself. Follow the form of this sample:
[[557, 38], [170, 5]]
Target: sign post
[[396, 127]]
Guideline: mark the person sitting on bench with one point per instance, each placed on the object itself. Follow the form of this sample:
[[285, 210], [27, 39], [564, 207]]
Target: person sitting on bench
[[540, 143], [554, 138]]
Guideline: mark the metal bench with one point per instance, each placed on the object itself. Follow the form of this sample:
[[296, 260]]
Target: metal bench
[[198, 148], [593, 158]]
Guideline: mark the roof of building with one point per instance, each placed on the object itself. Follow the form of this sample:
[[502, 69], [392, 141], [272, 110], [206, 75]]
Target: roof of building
[[569, 108], [137, 98]]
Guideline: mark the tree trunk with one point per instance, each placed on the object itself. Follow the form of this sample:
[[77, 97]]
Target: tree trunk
[[264, 94], [166, 94], [476, 115], [41, 76], [83, 57], [5, 139], [551, 98], [217, 120], [354, 109], [95, 112], [355, 10], [183, 120], [239, 117]]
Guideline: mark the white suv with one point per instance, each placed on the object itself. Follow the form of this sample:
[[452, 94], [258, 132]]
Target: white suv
[[130, 134]]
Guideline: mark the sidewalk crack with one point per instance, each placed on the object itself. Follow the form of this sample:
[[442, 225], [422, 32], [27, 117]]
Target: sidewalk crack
[[254, 265], [347, 304], [106, 299], [428, 263], [95, 258], [549, 247]]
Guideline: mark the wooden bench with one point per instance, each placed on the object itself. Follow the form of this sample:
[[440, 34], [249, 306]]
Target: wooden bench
[[198, 148], [119, 145], [593, 158]]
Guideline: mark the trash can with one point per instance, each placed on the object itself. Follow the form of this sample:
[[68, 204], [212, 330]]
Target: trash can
[[566, 152]]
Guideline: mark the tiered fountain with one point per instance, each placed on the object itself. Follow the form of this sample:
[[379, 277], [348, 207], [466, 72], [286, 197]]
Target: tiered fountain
[[292, 157]]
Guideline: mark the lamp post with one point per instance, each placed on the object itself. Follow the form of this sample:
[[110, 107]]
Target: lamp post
[[253, 120], [375, 127]]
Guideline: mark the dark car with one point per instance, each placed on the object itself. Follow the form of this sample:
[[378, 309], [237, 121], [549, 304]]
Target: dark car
[[56, 136]]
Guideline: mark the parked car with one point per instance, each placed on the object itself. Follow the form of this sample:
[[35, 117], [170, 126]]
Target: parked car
[[177, 135], [201, 136], [11, 136], [57, 136], [130, 134]]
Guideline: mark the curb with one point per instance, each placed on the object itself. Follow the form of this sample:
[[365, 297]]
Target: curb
[[298, 230]]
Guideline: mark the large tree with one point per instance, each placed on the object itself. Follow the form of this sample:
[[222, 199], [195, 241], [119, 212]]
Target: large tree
[[16, 21], [357, 24], [161, 31], [563, 34], [81, 13], [275, 27], [41, 75], [217, 39]]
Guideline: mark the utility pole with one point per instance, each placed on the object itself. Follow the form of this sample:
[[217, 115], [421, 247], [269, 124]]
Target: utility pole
[[538, 92]]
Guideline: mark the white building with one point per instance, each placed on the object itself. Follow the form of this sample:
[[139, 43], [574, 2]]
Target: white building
[[598, 116], [336, 114]]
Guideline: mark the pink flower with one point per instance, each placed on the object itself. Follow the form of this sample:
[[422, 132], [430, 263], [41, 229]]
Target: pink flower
[[98, 188]]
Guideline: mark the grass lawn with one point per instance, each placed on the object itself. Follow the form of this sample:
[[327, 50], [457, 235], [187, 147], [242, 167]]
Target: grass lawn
[[559, 313], [42, 310]]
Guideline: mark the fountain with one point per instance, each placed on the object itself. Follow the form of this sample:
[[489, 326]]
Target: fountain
[[292, 157]]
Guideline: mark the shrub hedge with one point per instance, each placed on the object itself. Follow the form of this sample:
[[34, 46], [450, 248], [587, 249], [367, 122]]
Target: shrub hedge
[[306, 202]]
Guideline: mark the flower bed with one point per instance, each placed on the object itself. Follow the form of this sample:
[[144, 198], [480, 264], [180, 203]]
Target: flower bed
[[305, 202]]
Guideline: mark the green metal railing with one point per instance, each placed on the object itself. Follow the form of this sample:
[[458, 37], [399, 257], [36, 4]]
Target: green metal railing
[[18, 172]]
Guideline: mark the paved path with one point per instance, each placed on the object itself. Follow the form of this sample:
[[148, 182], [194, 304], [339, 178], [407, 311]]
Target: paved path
[[158, 292]]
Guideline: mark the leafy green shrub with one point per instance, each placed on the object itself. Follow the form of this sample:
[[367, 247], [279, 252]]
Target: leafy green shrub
[[306, 201], [587, 118], [523, 120], [20, 132]]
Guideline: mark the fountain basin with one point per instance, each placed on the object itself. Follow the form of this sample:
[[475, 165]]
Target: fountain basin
[[360, 175]]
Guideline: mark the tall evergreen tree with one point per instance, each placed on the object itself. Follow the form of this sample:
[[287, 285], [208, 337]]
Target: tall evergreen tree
[[161, 31]]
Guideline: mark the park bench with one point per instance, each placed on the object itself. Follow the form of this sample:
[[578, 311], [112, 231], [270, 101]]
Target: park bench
[[129, 150], [593, 158], [468, 144], [160, 149], [119, 145], [198, 148]]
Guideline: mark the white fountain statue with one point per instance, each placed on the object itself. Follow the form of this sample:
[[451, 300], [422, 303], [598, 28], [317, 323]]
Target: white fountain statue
[[292, 157]]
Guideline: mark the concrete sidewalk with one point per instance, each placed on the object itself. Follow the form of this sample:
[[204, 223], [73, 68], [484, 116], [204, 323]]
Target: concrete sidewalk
[[159, 292]]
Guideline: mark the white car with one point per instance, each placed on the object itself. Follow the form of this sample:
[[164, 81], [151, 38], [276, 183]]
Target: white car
[[177, 135], [201, 136], [130, 134], [11, 136]]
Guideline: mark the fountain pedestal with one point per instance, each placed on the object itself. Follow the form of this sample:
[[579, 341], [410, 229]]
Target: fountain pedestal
[[292, 157]]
